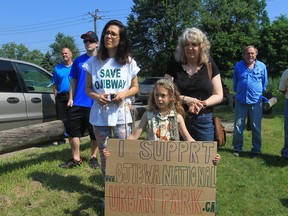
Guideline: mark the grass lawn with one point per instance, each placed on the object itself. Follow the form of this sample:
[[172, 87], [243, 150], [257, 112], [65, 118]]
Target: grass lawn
[[32, 184]]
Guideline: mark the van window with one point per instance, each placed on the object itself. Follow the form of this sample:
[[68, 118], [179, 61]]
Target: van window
[[36, 80], [8, 78]]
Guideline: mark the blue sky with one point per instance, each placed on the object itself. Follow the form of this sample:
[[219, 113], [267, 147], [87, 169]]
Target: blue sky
[[35, 23]]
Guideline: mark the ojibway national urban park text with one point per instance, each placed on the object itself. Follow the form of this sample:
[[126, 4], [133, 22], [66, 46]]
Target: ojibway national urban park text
[[160, 178]]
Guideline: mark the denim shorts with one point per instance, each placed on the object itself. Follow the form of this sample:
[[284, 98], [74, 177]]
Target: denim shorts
[[201, 126]]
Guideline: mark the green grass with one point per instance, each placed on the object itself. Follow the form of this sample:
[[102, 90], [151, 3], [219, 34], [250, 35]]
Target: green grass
[[272, 86], [32, 184], [254, 186]]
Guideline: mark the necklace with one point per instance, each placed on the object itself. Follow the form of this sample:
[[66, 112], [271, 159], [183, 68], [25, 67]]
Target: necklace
[[191, 69], [163, 114]]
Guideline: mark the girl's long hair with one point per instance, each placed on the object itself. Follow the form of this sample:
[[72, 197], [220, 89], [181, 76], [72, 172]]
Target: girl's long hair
[[175, 100]]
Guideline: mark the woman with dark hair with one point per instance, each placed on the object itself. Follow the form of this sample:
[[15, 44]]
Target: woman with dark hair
[[111, 81], [122, 53]]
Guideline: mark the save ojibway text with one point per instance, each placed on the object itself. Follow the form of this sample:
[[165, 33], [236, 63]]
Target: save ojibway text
[[160, 178]]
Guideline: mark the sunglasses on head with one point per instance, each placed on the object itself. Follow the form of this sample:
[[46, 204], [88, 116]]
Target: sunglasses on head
[[89, 40]]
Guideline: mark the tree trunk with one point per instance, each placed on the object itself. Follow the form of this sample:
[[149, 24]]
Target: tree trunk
[[28, 136], [33, 135]]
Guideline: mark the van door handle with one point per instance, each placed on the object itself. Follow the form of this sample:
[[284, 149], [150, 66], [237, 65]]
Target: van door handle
[[36, 100], [13, 100]]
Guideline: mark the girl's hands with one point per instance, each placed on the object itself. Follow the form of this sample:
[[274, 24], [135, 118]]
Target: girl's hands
[[216, 160], [106, 153]]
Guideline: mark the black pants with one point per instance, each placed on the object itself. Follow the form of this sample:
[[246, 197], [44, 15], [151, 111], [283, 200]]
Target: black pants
[[61, 107]]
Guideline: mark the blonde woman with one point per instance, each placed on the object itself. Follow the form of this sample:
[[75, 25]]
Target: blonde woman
[[199, 92]]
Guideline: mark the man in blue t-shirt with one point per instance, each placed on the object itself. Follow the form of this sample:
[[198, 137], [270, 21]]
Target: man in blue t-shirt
[[61, 86], [80, 104], [250, 81]]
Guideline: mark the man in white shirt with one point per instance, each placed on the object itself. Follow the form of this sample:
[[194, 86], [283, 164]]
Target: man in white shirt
[[283, 87]]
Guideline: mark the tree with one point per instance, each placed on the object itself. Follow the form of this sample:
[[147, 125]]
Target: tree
[[153, 31], [274, 46], [21, 52], [63, 41], [34, 56], [230, 25], [47, 62], [13, 51]]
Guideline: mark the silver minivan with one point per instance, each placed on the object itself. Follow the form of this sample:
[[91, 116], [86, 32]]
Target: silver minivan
[[145, 89], [26, 94]]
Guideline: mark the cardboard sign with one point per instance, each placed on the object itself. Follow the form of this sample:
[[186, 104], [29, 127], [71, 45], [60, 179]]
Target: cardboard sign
[[160, 178]]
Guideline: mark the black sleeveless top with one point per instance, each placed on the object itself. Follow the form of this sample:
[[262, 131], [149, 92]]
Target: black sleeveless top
[[198, 85]]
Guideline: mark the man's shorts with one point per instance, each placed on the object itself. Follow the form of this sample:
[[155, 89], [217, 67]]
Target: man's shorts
[[78, 122]]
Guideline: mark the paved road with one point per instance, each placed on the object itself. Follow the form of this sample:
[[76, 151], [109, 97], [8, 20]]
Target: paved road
[[138, 104], [139, 110]]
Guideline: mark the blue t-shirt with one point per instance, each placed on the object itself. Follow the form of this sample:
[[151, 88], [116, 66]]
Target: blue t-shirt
[[78, 73], [250, 84], [61, 78]]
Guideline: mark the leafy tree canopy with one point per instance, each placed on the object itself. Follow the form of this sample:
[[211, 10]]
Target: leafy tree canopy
[[154, 28], [154, 31], [62, 41], [20, 52], [47, 61], [274, 46]]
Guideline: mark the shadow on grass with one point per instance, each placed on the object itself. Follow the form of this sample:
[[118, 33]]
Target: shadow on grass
[[36, 158], [270, 160], [284, 202], [90, 197]]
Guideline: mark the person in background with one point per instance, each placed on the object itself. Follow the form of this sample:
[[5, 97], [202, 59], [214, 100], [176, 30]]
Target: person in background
[[283, 87], [250, 81], [164, 118], [61, 87], [111, 82], [80, 105], [199, 92]]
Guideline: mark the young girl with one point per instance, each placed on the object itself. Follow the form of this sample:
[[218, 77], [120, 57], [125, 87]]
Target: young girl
[[164, 118]]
